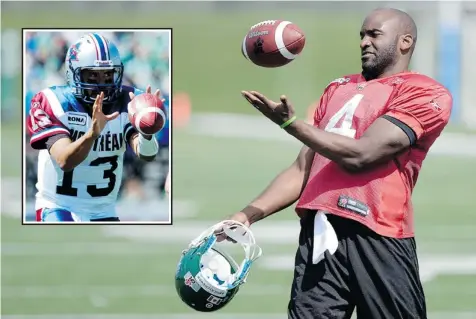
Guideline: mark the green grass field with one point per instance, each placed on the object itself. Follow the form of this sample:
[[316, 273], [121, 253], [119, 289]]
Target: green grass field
[[127, 270]]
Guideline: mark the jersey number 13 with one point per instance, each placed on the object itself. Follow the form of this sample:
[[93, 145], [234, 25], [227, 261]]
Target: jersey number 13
[[66, 188]]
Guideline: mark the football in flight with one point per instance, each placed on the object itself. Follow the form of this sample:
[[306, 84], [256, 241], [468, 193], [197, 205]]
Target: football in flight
[[147, 113], [273, 43]]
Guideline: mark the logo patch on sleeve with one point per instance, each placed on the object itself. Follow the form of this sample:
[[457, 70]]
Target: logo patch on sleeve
[[353, 205]]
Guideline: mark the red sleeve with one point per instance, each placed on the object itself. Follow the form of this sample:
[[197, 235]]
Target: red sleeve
[[328, 91], [42, 123], [320, 109], [425, 111]]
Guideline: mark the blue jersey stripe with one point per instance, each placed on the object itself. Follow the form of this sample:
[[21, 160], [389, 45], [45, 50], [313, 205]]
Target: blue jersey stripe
[[106, 47], [66, 98], [102, 47]]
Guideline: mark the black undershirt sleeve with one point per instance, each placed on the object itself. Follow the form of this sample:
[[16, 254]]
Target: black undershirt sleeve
[[53, 139], [405, 128]]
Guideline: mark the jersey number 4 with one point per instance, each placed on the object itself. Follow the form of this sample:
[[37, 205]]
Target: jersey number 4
[[346, 113], [67, 186]]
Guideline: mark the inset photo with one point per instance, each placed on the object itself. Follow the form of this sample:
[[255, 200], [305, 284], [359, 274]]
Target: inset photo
[[97, 134]]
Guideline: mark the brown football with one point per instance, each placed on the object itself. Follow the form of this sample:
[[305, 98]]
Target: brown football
[[147, 113], [273, 43]]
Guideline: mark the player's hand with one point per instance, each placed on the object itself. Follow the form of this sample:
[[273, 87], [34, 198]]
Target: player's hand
[[240, 217], [276, 112], [149, 91], [99, 119]]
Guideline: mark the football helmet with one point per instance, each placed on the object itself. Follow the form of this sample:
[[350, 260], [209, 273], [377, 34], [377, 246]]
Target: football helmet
[[93, 52], [207, 277]]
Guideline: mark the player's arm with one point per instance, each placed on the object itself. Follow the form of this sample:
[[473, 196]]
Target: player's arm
[[145, 147], [286, 188], [69, 154], [382, 140], [48, 132], [411, 115], [282, 192]]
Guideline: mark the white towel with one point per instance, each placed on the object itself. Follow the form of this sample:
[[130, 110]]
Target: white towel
[[325, 238]]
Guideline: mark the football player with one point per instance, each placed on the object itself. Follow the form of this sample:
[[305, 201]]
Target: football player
[[354, 178], [81, 130]]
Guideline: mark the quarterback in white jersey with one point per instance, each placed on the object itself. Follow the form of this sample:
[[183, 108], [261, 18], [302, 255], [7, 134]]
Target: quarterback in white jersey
[[81, 130]]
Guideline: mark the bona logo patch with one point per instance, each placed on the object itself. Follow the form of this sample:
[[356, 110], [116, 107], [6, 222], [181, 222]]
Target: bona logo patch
[[77, 118]]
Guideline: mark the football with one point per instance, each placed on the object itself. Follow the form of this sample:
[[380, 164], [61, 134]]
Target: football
[[147, 113], [273, 43]]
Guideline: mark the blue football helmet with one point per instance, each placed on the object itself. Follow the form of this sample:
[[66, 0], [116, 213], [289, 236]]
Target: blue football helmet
[[93, 53]]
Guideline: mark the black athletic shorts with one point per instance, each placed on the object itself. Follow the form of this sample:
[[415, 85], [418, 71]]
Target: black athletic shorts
[[376, 275]]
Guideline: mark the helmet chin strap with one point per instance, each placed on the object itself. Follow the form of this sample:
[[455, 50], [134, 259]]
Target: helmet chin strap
[[243, 236]]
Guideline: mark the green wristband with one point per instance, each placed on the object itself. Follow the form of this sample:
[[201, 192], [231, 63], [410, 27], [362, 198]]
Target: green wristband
[[288, 122]]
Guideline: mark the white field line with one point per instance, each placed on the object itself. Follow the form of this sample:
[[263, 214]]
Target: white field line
[[191, 315], [118, 291], [281, 233], [219, 315], [67, 249], [153, 247], [231, 125], [260, 128], [431, 266], [249, 290], [125, 209]]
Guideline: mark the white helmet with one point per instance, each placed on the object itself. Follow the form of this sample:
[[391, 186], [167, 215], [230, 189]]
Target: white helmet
[[93, 52]]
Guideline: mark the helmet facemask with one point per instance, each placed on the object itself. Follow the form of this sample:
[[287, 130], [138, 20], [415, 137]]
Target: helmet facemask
[[89, 81], [209, 268]]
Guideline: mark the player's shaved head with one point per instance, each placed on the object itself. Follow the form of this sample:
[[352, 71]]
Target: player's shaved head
[[388, 41], [403, 23]]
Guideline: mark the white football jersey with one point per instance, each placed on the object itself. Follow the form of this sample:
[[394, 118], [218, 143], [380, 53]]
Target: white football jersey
[[90, 190]]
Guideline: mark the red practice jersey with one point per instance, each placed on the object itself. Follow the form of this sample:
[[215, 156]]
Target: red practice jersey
[[379, 198]]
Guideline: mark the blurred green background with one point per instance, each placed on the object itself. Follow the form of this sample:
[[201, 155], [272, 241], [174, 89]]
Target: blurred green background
[[220, 162], [207, 59]]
